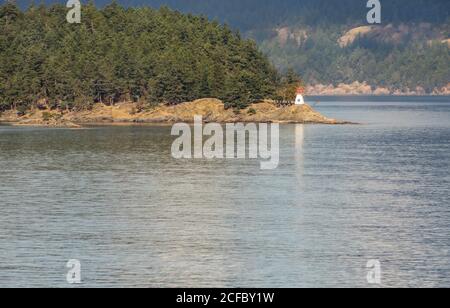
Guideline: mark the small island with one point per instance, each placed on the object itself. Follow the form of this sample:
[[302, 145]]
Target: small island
[[137, 66]]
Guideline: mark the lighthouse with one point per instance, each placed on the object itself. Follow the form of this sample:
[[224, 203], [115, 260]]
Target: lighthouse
[[299, 98]]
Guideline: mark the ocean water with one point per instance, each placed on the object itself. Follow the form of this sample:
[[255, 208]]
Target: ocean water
[[115, 199]]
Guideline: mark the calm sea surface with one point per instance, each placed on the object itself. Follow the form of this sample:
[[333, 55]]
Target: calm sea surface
[[115, 199]]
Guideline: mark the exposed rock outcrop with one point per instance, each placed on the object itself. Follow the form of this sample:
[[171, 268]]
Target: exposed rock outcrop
[[394, 34], [349, 37]]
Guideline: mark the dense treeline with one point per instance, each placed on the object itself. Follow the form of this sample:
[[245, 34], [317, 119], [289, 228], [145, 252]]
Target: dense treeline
[[140, 54]]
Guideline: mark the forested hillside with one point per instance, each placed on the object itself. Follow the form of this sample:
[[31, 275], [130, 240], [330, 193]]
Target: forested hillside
[[408, 51], [138, 54]]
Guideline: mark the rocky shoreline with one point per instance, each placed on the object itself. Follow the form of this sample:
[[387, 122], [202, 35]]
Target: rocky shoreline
[[211, 110]]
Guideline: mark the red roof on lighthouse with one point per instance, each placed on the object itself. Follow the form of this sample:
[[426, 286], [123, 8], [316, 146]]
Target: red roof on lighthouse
[[300, 90]]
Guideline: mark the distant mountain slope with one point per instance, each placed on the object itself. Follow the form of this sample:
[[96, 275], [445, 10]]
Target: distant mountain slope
[[403, 57]]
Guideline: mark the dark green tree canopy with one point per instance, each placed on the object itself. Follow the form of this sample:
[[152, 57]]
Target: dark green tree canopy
[[116, 53]]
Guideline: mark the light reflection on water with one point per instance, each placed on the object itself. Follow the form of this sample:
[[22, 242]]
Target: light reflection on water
[[114, 198]]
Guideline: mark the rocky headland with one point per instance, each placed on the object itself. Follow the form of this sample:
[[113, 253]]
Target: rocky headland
[[211, 110]]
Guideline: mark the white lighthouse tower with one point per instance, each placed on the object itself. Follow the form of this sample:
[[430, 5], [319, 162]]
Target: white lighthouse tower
[[299, 100]]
